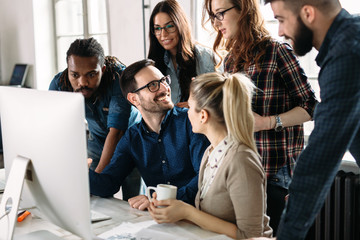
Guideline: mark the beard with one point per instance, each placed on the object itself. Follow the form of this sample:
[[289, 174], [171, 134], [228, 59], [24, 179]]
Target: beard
[[156, 107], [303, 39]]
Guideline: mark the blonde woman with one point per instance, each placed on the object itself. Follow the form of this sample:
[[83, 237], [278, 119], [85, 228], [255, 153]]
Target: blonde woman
[[284, 100], [232, 183]]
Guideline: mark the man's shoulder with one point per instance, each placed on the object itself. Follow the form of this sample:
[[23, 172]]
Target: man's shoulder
[[57, 76], [134, 130], [116, 64], [347, 37], [179, 113], [55, 82], [176, 120]]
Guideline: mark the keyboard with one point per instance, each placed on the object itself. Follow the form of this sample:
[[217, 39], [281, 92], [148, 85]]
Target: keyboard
[[97, 216]]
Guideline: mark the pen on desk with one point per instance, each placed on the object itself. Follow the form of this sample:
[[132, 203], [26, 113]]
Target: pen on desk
[[22, 215]]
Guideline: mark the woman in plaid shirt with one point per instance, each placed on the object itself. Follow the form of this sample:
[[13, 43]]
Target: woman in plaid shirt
[[284, 99]]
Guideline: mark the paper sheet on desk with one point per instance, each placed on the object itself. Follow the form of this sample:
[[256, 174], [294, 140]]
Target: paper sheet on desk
[[125, 230], [150, 230]]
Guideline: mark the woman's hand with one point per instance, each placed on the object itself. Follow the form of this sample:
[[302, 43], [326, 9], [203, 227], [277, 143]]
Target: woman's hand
[[262, 123], [173, 210]]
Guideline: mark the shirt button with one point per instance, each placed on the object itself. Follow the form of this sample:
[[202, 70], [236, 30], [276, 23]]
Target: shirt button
[[163, 161], [159, 140]]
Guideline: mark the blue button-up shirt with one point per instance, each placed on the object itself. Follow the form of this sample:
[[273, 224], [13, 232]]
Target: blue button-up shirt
[[110, 110], [172, 157], [337, 127]]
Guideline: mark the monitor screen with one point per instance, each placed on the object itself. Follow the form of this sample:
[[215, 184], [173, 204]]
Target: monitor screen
[[19, 74], [48, 128]]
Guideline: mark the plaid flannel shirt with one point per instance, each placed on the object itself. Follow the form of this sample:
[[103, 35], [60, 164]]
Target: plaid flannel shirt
[[282, 85]]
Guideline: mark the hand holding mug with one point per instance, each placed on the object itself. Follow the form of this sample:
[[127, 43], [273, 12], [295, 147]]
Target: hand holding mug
[[163, 192]]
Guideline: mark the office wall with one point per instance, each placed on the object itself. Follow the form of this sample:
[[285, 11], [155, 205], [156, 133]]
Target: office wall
[[126, 30], [44, 34], [26, 29], [16, 37], [27, 35], [126, 27]]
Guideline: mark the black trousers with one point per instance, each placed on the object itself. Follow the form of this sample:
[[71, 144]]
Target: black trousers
[[275, 204]]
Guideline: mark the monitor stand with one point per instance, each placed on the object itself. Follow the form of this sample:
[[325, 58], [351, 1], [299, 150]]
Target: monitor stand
[[11, 199]]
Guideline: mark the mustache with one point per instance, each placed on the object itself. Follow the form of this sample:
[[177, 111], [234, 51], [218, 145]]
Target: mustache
[[83, 88], [160, 95]]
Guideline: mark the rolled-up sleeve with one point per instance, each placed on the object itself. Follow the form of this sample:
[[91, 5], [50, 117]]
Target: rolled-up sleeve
[[295, 79], [119, 113]]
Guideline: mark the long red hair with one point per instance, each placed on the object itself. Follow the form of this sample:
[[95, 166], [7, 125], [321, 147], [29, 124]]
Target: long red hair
[[249, 44]]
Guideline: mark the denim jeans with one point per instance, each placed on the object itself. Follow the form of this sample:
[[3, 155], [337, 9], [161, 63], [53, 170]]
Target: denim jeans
[[281, 178], [277, 189]]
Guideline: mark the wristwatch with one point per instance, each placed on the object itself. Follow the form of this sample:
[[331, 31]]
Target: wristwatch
[[278, 125]]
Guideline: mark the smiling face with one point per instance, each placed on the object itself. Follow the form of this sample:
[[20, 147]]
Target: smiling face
[[292, 27], [169, 41], [85, 74], [229, 25], [152, 102]]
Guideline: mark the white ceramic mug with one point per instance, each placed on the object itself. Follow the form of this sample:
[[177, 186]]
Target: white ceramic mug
[[163, 191]]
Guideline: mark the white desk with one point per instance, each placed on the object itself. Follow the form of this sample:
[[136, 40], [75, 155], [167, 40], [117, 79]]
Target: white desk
[[119, 210]]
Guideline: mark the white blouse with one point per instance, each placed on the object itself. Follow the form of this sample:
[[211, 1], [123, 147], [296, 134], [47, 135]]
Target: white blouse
[[213, 163]]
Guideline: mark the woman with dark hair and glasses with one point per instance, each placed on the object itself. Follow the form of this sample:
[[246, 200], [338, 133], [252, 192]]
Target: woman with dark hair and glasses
[[284, 99], [231, 196], [174, 51]]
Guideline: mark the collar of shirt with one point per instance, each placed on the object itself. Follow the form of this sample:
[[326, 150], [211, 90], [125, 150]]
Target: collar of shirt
[[163, 123], [169, 64]]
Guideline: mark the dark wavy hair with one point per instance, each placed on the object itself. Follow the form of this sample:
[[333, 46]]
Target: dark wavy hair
[[249, 44], [185, 55], [91, 48], [127, 80]]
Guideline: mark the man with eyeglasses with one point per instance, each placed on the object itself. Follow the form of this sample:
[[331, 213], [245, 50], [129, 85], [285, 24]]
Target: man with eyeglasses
[[162, 146]]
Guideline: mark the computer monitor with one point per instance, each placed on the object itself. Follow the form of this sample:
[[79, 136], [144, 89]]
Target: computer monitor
[[19, 75], [47, 128]]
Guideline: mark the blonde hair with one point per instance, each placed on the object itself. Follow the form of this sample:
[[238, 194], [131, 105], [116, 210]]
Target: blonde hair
[[228, 99]]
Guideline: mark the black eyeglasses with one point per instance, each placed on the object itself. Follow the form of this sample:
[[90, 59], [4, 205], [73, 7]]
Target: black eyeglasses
[[169, 28], [154, 86], [220, 15]]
